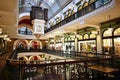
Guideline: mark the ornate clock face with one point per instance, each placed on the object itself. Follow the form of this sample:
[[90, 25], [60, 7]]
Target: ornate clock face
[[39, 28]]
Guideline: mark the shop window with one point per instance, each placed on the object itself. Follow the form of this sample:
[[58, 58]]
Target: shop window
[[80, 37], [87, 46], [85, 4], [86, 36], [80, 7], [65, 39], [69, 39], [58, 46], [92, 36], [117, 45], [107, 43], [51, 46], [117, 32], [73, 38], [69, 46], [107, 33], [91, 1]]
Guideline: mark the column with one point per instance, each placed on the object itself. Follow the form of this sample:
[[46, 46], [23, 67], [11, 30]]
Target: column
[[76, 42], [99, 41]]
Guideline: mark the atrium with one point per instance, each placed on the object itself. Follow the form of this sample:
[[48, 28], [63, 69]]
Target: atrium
[[60, 39]]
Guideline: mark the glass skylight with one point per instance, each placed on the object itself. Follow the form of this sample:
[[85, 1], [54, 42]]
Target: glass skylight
[[50, 2]]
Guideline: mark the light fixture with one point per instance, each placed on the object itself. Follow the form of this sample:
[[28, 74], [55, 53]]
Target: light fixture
[[46, 41], [0, 30], [110, 28], [5, 35]]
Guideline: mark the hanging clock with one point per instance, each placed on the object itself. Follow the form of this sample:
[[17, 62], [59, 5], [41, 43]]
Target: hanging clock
[[39, 28]]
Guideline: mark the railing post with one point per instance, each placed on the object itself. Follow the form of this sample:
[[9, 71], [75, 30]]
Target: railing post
[[64, 65]]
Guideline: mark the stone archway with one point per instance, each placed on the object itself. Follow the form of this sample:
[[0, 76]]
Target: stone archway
[[34, 57], [35, 44], [20, 44]]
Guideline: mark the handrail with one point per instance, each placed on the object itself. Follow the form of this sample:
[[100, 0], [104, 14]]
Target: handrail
[[21, 68], [14, 61], [37, 63]]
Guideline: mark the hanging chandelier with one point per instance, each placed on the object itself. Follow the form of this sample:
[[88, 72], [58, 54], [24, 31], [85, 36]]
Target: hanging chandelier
[[110, 28]]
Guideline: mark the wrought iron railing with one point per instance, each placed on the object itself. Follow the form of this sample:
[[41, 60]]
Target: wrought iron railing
[[91, 7], [60, 69]]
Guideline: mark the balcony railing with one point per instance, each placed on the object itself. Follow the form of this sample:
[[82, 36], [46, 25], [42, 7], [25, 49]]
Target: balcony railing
[[91, 7], [58, 69]]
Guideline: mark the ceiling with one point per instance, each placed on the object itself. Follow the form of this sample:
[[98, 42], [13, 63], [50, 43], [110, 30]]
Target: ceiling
[[9, 17]]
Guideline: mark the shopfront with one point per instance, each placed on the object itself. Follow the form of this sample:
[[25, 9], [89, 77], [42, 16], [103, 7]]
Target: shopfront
[[117, 41], [51, 44], [69, 42], [87, 41], [59, 42], [111, 37]]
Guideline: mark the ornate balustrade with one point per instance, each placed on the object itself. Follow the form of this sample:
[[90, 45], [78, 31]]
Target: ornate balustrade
[[67, 69], [91, 7]]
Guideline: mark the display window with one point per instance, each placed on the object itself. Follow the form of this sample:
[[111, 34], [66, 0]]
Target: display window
[[111, 43], [58, 46], [69, 46], [107, 44], [87, 46], [117, 45], [80, 37], [107, 33], [86, 36], [117, 32], [92, 36], [52, 46], [117, 41]]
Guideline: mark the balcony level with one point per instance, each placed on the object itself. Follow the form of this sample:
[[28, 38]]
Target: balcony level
[[94, 10]]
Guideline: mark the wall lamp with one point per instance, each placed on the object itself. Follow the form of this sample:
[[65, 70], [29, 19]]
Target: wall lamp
[[0, 30]]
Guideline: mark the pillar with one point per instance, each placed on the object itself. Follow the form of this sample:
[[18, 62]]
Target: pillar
[[76, 42], [99, 41]]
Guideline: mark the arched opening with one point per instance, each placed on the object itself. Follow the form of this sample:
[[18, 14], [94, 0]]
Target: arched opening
[[20, 44], [35, 44]]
